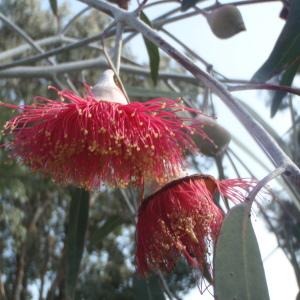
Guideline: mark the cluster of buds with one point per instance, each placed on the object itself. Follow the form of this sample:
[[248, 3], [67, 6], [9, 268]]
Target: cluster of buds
[[102, 139]]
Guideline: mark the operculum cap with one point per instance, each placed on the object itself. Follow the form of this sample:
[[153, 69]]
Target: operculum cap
[[107, 90]]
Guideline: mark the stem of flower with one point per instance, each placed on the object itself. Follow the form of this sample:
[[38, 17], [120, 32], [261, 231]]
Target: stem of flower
[[118, 47]]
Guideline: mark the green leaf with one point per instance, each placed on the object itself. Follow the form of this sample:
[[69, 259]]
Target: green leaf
[[153, 52], [186, 4], [287, 79], [147, 289], [77, 226], [287, 48], [238, 267], [53, 5], [109, 225]]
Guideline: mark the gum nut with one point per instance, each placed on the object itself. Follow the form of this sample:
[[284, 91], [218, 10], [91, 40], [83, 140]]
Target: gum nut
[[226, 21]]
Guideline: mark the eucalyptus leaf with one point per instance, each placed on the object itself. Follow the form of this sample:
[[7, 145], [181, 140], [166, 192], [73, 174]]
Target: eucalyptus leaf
[[186, 4], [153, 52], [287, 79], [147, 288], [77, 226], [107, 227], [287, 48], [238, 267], [54, 8]]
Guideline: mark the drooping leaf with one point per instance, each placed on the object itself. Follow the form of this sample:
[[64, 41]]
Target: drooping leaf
[[153, 52], [77, 226], [109, 225], [186, 4], [53, 5], [287, 79], [147, 288], [226, 21], [287, 48], [238, 267]]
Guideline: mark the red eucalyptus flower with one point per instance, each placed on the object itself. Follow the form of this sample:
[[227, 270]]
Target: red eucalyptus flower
[[87, 141], [182, 219]]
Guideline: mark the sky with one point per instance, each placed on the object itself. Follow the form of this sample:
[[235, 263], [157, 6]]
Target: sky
[[238, 57]]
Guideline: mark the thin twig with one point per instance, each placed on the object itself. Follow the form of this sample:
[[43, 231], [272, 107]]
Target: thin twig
[[106, 33], [72, 20], [166, 287], [25, 47], [264, 86], [190, 51], [31, 42], [128, 203], [118, 47]]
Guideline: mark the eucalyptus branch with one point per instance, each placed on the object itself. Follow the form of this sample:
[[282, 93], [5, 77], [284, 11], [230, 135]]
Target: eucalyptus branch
[[72, 20], [118, 47], [106, 33], [153, 3], [264, 86], [30, 41], [47, 71], [25, 47], [190, 51], [23, 34], [162, 20], [262, 137], [243, 2]]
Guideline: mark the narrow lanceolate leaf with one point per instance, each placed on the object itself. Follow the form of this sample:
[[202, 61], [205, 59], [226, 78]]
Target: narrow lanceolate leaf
[[147, 288], [287, 79], [186, 4], [287, 48], [77, 226], [107, 227], [153, 52], [53, 5], [238, 267]]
